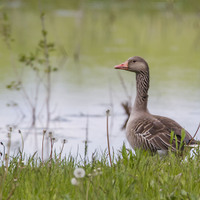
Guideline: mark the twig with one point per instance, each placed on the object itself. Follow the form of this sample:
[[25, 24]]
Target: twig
[[107, 116], [48, 70], [194, 134], [36, 98]]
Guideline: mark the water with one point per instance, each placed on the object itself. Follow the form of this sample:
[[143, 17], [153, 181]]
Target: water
[[91, 38]]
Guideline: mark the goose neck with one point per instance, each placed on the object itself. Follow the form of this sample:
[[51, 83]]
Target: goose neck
[[142, 84]]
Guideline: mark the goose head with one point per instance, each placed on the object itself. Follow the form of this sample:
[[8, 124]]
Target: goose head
[[134, 64]]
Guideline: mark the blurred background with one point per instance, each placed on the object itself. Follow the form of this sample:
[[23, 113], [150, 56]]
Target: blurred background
[[90, 37]]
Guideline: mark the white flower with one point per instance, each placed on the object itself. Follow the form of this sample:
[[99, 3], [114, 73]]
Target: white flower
[[74, 181], [79, 172]]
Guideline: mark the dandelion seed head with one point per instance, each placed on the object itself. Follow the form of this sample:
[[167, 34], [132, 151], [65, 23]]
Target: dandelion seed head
[[50, 134], [107, 112], [64, 141], [74, 181], [79, 172], [54, 139]]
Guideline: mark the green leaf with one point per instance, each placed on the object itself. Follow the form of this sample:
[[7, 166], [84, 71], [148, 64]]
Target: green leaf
[[44, 32], [176, 141], [55, 69], [182, 139], [171, 137], [22, 58]]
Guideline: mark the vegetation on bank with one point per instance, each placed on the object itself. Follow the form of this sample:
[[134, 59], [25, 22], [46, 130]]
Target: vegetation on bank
[[136, 175]]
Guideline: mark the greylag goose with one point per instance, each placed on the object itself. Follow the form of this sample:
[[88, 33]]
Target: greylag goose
[[144, 130]]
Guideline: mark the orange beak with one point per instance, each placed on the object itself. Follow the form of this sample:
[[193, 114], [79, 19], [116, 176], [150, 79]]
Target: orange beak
[[123, 66]]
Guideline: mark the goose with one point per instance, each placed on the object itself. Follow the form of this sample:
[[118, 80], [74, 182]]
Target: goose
[[144, 130]]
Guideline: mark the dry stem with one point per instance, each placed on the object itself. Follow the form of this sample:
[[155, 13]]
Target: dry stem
[[44, 131], [107, 116], [194, 134]]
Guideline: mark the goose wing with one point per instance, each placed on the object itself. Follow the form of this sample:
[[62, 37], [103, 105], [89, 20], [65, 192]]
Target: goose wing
[[153, 134], [171, 125]]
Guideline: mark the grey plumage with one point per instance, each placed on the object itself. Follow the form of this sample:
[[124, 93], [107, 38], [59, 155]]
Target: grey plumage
[[144, 130]]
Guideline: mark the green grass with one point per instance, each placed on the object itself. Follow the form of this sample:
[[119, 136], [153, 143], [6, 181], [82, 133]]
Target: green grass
[[132, 176]]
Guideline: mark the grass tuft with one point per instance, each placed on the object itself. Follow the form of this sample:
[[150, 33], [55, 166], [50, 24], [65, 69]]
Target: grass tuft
[[133, 175]]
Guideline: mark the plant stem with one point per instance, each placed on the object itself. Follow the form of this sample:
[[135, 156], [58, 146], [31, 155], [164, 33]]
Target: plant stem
[[194, 134], [44, 131], [107, 116]]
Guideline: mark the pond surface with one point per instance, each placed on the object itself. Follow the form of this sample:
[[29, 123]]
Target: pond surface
[[90, 38]]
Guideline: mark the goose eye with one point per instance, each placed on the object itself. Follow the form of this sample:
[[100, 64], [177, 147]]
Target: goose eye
[[134, 61]]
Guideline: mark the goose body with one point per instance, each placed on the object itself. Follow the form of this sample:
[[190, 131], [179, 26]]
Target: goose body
[[144, 130]]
